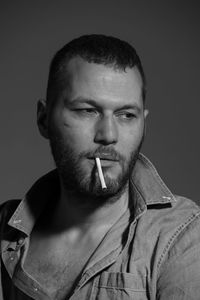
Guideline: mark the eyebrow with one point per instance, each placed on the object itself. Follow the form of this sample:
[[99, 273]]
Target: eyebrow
[[95, 104]]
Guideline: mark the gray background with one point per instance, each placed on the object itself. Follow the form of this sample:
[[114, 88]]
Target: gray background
[[166, 35]]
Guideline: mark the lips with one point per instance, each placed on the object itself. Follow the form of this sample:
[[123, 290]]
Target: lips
[[107, 157], [104, 156]]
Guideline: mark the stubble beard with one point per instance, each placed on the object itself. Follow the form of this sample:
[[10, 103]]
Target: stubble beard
[[87, 186]]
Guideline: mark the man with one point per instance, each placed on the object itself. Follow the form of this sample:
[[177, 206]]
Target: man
[[103, 225]]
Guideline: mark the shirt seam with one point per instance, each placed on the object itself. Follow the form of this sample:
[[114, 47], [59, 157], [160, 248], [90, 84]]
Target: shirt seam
[[173, 238], [120, 288]]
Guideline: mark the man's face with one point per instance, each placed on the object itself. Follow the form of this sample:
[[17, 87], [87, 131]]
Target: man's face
[[99, 113]]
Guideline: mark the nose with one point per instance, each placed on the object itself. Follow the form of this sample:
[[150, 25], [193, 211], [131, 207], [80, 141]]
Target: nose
[[106, 131]]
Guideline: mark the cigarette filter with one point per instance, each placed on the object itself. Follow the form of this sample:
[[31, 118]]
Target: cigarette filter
[[101, 177]]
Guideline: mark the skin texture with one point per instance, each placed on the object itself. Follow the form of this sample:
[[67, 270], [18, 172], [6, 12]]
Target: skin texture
[[98, 112]]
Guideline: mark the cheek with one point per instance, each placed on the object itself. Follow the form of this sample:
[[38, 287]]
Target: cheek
[[70, 130], [78, 138], [131, 139]]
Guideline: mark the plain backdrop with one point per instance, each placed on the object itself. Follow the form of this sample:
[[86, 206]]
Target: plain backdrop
[[166, 35]]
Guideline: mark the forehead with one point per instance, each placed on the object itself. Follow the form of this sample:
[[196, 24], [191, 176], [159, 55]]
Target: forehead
[[98, 81]]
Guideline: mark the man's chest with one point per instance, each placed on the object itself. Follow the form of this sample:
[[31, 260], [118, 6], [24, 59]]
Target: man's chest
[[57, 270]]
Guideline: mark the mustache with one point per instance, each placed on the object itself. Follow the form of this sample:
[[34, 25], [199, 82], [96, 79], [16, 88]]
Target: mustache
[[103, 153]]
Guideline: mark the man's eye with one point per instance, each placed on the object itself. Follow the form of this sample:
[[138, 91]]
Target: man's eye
[[86, 111], [126, 116]]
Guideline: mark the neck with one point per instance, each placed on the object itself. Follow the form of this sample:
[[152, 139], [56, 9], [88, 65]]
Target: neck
[[76, 211]]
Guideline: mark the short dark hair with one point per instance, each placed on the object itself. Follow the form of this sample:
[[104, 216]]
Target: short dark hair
[[94, 48]]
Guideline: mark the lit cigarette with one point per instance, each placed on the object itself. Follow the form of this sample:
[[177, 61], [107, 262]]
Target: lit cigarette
[[101, 177]]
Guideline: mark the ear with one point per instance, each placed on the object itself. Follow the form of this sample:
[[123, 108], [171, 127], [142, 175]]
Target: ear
[[42, 118], [146, 112]]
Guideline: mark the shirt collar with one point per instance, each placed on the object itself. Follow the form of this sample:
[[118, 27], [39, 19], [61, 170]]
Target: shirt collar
[[45, 189], [145, 183]]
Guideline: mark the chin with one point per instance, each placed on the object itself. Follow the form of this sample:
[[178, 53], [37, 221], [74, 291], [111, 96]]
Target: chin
[[114, 188]]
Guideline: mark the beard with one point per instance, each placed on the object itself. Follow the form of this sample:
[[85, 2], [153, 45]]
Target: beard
[[87, 184]]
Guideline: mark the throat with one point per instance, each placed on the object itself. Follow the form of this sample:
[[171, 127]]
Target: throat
[[81, 213]]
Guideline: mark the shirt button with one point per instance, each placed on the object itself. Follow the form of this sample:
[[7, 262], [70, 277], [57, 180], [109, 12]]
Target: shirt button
[[12, 258], [17, 221], [35, 289], [20, 241]]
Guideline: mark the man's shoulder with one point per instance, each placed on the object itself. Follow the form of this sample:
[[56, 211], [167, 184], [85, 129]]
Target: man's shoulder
[[185, 207], [168, 235], [178, 213], [167, 224], [179, 261], [187, 212]]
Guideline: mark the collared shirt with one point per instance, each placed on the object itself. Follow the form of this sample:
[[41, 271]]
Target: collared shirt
[[152, 252]]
